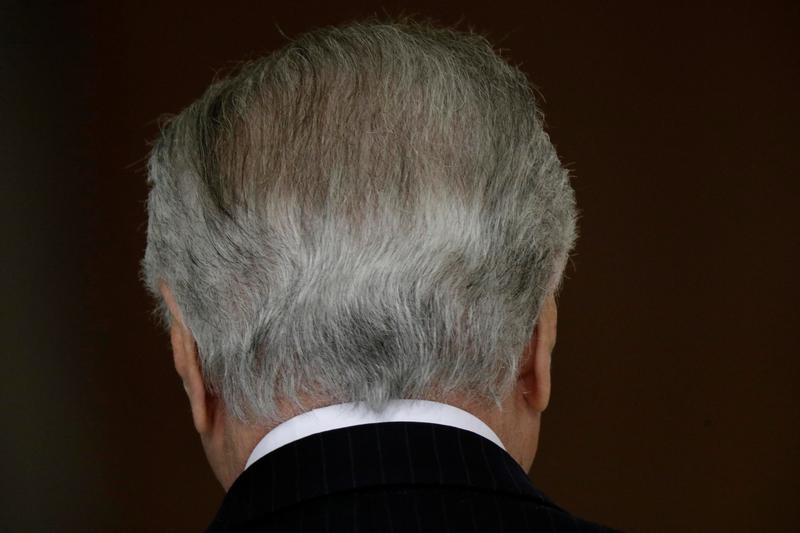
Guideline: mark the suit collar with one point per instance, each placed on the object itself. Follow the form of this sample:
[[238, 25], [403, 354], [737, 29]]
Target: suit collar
[[372, 455]]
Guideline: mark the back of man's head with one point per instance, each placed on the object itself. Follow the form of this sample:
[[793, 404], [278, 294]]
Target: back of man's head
[[372, 212]]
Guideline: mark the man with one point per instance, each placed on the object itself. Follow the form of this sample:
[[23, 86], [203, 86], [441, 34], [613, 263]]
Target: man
[[356, 243]]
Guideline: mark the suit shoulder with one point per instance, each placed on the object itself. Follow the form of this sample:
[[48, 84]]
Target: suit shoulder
[[558, 520]]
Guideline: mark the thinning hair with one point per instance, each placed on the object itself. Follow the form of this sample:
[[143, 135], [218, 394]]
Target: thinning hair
[[372, 212]]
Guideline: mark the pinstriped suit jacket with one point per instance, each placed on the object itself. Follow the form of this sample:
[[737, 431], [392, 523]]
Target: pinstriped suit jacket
[[390, 477]]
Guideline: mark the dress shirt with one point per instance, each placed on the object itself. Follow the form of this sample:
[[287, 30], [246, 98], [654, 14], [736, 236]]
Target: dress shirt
[[356, 413]]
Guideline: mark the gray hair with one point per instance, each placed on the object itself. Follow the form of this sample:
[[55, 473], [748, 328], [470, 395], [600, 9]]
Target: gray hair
[[372, 212]]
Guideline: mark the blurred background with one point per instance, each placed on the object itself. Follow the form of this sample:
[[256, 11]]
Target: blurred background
[[676, 372]]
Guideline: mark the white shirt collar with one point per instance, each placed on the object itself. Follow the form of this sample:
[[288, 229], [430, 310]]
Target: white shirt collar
[[353, 414]]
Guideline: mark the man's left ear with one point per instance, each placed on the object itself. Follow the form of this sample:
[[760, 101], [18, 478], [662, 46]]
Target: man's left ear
[[187, 364], [535, 372]]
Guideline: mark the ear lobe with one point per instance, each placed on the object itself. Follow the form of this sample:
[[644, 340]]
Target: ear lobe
[[194, 385], [535, 374], [187, 365]]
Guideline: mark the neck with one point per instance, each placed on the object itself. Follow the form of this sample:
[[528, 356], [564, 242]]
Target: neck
[[228, 450]]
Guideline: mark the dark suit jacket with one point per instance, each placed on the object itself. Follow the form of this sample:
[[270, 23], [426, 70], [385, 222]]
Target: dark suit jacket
[[390, 477]]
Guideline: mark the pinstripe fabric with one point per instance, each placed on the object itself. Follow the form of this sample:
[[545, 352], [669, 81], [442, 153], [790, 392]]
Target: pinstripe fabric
[[390, 477]]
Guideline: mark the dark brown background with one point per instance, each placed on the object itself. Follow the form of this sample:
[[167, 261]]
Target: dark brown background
[[675, 377]]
